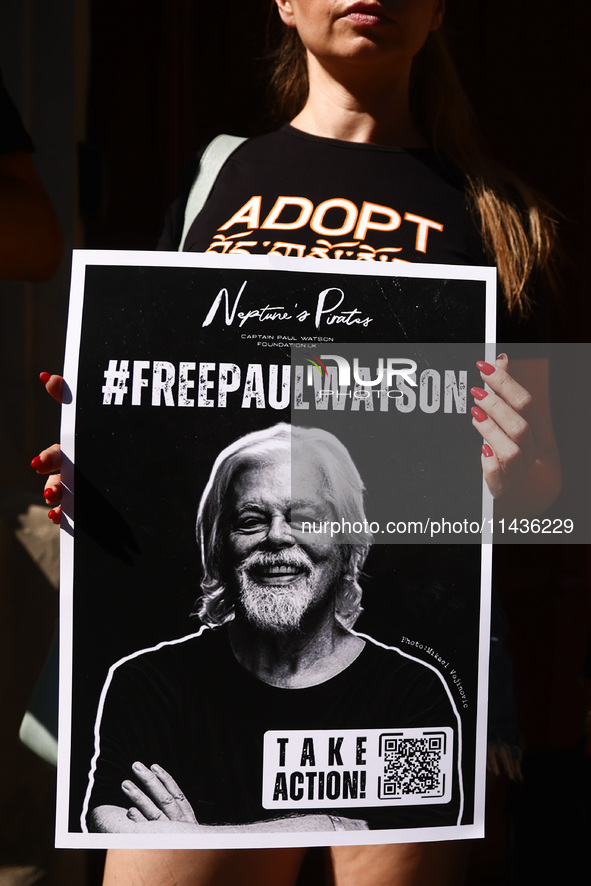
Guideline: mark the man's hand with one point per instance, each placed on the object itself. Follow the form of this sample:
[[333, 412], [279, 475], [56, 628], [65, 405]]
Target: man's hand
[[158, 796], [159, 806]]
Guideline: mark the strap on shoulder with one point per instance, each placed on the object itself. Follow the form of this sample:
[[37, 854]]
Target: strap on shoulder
[[212, 160]]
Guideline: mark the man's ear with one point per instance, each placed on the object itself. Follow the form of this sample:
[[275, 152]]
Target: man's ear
[[286, 13], [438, 14]]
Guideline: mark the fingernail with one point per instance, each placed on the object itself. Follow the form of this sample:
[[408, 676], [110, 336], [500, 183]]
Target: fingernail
[[502, 357], [45, 376], [479, 393], [47, 493], [486, 450], [485, 368], [51, 514], [36, 462], [478, 414]]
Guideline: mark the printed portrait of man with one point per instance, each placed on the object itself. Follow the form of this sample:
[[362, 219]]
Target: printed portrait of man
[[188, 731]]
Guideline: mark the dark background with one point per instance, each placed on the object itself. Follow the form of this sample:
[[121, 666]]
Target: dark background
[[163, 76]]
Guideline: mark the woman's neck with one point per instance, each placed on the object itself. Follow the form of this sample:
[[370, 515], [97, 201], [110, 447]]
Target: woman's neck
[[360, 112]]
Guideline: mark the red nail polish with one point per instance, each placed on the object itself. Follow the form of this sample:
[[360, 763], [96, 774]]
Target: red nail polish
[[486, 450], [36, 462], [479, 393], [45, 376], [52, 514], [478, 414], [485, 368], [47, 493]]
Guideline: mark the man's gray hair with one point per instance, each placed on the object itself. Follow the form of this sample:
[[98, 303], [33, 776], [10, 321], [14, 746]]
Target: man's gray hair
[[343, 489]]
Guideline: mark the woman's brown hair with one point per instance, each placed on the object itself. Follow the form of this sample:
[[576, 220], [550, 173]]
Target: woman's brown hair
[[518, 229]]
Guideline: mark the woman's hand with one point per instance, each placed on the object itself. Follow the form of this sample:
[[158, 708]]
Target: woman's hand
[[519, 456], [49, 461], [54, 385]]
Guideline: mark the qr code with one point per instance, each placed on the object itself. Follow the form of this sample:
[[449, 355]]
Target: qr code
[[414, 765]]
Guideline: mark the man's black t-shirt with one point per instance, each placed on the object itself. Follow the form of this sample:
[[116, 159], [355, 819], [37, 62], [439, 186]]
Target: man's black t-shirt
[[191, 708]]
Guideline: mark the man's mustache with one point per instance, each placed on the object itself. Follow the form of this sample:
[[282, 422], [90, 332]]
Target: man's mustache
[[261, 560]]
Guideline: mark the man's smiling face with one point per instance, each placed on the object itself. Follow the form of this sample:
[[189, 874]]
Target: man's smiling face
[[277, 577]]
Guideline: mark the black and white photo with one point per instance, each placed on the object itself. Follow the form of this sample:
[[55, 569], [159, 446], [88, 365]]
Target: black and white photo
[[275, 618]]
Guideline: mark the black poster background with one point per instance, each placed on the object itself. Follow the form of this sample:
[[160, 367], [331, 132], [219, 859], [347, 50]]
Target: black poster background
[[140, 470]]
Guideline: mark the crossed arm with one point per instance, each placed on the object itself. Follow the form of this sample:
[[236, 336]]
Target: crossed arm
[[158, 805]]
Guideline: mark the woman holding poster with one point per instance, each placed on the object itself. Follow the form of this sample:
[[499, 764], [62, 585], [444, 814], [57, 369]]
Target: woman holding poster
[[379, 162]]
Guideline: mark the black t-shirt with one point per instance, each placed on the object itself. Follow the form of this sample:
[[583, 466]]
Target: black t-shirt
[[191, 708], [13, 135], [296, 194]]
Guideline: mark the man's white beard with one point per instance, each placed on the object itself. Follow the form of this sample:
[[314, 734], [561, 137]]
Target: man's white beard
[[279, 608]]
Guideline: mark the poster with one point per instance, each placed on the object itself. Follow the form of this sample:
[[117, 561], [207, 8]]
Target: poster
[[255, 651]]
